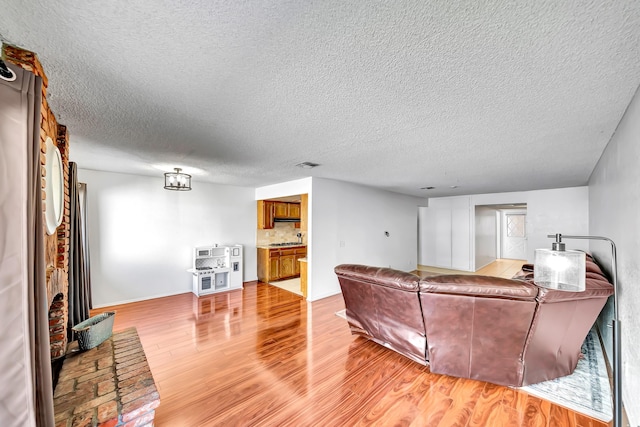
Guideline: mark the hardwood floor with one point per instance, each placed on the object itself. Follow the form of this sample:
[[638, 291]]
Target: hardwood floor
[[505, 268], [262, 356]]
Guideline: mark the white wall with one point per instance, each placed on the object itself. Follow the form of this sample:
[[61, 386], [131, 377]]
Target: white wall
[[349, 224], [485, 236], [284, 189], [562, 210], [614, 212], [141, 236]]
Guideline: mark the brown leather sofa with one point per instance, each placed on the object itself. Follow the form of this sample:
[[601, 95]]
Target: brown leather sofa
[[504, 331]]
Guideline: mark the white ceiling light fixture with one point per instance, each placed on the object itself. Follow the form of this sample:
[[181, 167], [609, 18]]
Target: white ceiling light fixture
[[177, 180]]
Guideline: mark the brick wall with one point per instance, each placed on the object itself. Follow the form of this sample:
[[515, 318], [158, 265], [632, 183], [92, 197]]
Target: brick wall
[[56, 245], [109, 385]]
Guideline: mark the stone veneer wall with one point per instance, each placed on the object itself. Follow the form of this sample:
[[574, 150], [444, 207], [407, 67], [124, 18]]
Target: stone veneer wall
[[282, 232], [56, 245]]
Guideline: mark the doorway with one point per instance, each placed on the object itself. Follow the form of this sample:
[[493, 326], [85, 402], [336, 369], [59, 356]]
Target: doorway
[[500, 232]]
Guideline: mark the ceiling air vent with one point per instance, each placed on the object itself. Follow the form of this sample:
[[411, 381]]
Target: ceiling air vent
[[307, 165]]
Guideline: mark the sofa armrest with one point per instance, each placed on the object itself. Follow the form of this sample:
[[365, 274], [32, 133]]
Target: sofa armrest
[[596, 288], [388, 277], [479, 286]]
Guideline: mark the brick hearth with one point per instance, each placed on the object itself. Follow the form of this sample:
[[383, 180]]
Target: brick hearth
[[109, 385]]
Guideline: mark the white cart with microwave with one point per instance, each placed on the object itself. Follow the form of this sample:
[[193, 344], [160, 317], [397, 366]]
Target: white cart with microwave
[[216, 268]]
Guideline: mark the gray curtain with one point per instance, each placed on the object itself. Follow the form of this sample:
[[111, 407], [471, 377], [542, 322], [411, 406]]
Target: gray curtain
[[79, 284], [26, 392], [82, 198]]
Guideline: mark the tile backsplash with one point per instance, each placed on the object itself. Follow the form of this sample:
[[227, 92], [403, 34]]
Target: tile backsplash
[[282, 232]]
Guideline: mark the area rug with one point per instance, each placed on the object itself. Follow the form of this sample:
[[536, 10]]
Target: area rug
[[586, 391]]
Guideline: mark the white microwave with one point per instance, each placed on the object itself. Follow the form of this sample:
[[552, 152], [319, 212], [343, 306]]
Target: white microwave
[[204, 252], [209, 251]]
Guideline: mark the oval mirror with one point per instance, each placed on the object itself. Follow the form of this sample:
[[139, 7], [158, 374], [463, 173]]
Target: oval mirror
[[54, 188]]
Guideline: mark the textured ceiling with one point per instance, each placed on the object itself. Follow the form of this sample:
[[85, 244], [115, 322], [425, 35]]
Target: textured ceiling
[[489, 96]]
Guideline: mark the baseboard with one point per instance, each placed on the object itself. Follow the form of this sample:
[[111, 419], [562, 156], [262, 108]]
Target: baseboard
[[128, 301], [319, 297], [170, 294]]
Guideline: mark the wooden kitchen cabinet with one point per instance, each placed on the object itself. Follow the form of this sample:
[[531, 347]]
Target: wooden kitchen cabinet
[[286, 210], [287, 263], [268, 210], [281, 209], [275, 264], [265, 214], [294, 210], [268, 264], [287, 266], [274, 268]]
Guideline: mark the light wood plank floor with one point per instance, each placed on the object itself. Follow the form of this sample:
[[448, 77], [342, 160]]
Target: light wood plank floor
[[264, 357], [505, 268]]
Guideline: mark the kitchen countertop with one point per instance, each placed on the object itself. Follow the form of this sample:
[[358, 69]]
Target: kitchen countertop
[[213, 270], [302, 245]]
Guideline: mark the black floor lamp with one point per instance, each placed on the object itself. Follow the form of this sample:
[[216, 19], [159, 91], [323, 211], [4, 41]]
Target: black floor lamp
[[565, 270]]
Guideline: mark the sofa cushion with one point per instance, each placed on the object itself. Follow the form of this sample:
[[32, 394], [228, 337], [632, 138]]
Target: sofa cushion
[[380, 276], [480, 286]]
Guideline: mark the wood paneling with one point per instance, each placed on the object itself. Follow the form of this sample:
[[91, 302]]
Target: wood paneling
[[304, 212], [303, 278], [272, 359]]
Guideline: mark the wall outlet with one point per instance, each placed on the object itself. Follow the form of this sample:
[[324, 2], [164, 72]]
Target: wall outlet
[[342, 243]]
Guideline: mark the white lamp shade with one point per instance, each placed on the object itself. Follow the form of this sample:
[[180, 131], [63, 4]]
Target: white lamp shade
[[560, 270]]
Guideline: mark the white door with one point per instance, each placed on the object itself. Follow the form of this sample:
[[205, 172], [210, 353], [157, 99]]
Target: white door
[[514, 234]]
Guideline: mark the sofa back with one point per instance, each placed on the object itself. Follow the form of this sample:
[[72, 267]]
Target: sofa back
[[477, 326], [383, 305]]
